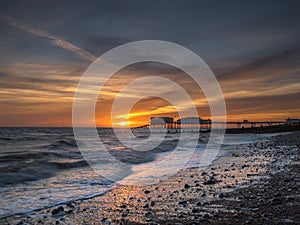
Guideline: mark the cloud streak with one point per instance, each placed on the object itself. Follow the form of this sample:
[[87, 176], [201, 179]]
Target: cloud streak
[[58, 41]]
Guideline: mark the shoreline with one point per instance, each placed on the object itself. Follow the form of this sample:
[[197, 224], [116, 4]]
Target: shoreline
[[187, 197]]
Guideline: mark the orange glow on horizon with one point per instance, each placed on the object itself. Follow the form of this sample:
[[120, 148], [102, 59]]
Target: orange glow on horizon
[[49, 102]]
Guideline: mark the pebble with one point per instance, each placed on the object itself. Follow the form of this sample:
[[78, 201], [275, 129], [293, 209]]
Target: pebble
[[149, 214], [57, 210], [187, 186], [182, 203], [206, 216], [212, 180], [195, 210], [276, 201], [221, 195]]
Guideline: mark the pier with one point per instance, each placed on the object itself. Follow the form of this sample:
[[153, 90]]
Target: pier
[[195, 124]]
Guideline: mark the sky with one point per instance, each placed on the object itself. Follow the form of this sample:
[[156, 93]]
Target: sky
[[252, 47]]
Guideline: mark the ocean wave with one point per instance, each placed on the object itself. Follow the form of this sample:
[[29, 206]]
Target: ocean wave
[[24, 172], [33, 154], [69, 142], [37, 155]]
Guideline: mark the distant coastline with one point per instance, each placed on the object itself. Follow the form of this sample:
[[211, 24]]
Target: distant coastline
[[263, 130]]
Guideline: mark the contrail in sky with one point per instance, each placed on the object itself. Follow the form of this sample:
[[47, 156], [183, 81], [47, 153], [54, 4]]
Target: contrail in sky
[[60, 42]]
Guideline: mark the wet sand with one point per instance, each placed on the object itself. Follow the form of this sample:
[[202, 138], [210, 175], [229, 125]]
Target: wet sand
[[253, 184]]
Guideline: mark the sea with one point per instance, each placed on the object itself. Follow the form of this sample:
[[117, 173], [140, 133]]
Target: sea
[[43, 167]]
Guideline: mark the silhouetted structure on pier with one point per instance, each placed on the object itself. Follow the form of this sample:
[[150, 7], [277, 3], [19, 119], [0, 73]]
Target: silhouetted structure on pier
[[196, 124]]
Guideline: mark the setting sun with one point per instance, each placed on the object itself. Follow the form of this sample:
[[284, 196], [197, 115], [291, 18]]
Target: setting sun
[[123, 123]]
